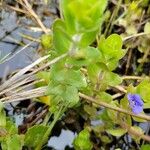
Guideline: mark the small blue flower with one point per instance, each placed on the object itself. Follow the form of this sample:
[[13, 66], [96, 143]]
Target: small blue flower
[[136, 103]]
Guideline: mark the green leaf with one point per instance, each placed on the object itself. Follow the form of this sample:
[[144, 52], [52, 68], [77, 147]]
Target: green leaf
[[90, 110], [112, 113], [82, 141], [43, 75], [146, 105], [63, 94], [96, 72], [69, 19], [143, 89], [103, 96], [61, 39], [116, 132], [124, 103], [85, 57], [93, 55], [46, 41], [2, 115], [70, 96], [147, 28], [87, 38], [145, 147], [87, 18], [139, 119], [11, 127], [139, 131], [112, 47], [106, 139], [55, 89], [106, 118], [112, 79], [34, 135], [131, 89], [68, 76], [12, 143], [112, 63]]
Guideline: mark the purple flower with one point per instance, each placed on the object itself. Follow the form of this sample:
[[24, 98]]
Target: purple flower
[[136, 103]]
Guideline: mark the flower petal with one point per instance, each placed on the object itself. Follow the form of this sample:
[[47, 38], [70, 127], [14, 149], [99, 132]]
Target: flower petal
[[130, 97], [137, 109], [138, 99], [135, 102]]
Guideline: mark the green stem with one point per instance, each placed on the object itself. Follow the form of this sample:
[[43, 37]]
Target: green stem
[[46, 119], [46, 136]]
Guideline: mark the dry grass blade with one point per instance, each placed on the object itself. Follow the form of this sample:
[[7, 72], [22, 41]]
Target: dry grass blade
[[9, 56], [29, 9], [25, 95], [42, 92], [14, 86], [21, 72], [21, 80]]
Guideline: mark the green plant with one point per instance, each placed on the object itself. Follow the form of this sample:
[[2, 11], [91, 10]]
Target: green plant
[[85, 63]]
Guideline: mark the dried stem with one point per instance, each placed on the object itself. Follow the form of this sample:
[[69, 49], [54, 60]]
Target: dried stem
[[28, 7], [135, 35], [132, 78], [132, 131], [42, 92], [101, 103]]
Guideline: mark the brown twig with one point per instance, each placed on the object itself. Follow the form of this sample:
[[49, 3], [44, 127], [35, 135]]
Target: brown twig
[[101, 103], [28, 7], [132, 131], [42, 91], [132, 78], [128, 61]]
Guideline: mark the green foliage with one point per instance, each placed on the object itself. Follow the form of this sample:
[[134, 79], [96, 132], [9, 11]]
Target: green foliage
[[61, 39], [112, 79], [103, 96], [87, 18], [138, 130], [91, 111], [85, 57], [88, 68], [111, 48], [82, 141], [147, 28], [13, 142], [46, 41], [10, 140], [67, 76], [2, 116], [11, 127], [145, 147], [43, 75], [144, 90], [116, 132], [34, 135]]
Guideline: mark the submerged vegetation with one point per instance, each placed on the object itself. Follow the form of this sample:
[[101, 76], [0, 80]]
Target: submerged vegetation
[[92, 75]]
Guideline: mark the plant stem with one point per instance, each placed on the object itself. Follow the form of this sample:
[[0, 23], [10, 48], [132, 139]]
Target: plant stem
[[106, 105], [45, 137], [135, 35], [113, 16], [132, 78], [132, 131]]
